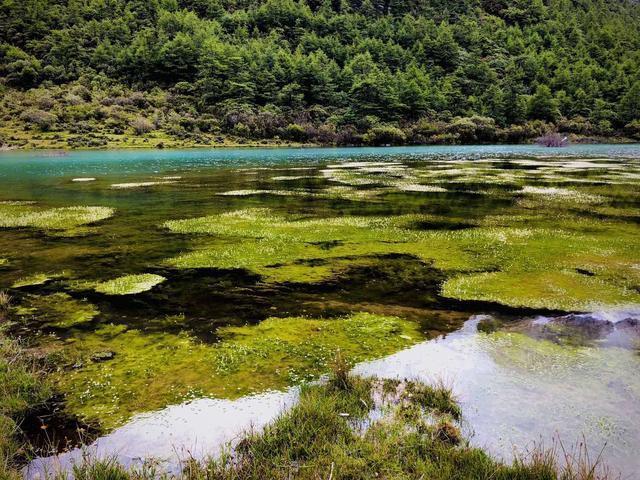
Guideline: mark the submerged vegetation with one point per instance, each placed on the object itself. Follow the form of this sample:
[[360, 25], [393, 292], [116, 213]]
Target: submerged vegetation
[[57, 310], [220, 72], [129, 284], [152, 370], [66, 220], [523, 236], [533, 266], [36, 279]]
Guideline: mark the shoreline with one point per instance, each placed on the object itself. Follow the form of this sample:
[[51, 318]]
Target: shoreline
[[299, 146], [30, 140]]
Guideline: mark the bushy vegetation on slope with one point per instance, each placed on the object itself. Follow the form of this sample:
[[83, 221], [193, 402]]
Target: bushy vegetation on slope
[[94, 73]]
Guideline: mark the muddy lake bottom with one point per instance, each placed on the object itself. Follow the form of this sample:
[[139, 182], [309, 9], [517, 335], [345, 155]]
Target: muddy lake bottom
[[185, 295]]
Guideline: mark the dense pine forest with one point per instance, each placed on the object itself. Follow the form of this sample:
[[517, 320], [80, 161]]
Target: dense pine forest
[[92, 73]]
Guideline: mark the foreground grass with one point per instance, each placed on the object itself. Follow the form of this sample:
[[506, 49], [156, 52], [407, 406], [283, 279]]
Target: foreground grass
[[331, 434], [348, 427], [22, 387]]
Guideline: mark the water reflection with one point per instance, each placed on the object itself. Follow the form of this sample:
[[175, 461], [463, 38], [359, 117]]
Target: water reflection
[[175, 434], [517, 390]]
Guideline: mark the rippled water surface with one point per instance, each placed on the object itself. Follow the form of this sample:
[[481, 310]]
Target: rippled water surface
[[157, 278]]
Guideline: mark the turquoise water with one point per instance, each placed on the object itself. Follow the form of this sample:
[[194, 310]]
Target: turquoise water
[[38, 164]]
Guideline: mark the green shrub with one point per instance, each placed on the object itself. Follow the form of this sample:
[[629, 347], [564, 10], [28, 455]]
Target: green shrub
[[385, 135], [39, 118], [577, 125], [295, 132], [142, 125], [632, 129], [444, 139], [428, 127], [473, 129]]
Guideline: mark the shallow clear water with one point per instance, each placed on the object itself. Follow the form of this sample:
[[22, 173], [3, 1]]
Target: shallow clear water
[[197, 429], [18, 165], [246, 245], [518, 392]]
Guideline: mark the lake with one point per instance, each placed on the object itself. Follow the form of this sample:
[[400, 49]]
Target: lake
[[176, 286]]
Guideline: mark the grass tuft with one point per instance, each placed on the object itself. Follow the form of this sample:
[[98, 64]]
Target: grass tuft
[[340, 377], [23, 386], [5, 301]]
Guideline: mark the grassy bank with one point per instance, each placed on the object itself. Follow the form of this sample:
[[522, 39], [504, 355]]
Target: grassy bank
[[16, 136], [23, 387]]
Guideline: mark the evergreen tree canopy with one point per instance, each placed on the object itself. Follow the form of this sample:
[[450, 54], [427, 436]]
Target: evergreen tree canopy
[[363, 63]]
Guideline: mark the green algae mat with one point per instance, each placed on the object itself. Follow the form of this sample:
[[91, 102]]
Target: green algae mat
[[194, 274]]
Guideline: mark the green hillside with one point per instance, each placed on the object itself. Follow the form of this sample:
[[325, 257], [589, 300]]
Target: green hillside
[[82, 73]]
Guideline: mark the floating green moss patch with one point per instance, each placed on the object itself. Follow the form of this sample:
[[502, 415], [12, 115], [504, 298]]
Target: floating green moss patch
[[57, 310], [141, 184], [129, 284], [151, 370], [36, 279], [19, 214], [516, 247], [552, 290], [543, 268]]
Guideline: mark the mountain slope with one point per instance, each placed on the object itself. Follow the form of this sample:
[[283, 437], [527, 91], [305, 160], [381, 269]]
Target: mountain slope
[[345, 71]]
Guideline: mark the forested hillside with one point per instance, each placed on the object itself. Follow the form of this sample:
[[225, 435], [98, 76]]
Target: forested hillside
[[97, 72]]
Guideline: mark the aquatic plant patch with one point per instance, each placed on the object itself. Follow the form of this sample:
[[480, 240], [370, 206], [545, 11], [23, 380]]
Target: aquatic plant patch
[[264, 242], [558, 290], [128, 185], [278, 247], [16, 215], [58, 310], [539, 268], [37, 279], [417, 187], [284, 178], [249, 192], [351, 193], [392, 238], [151, 370], [129, 284], [555, 193], [368, 174]]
